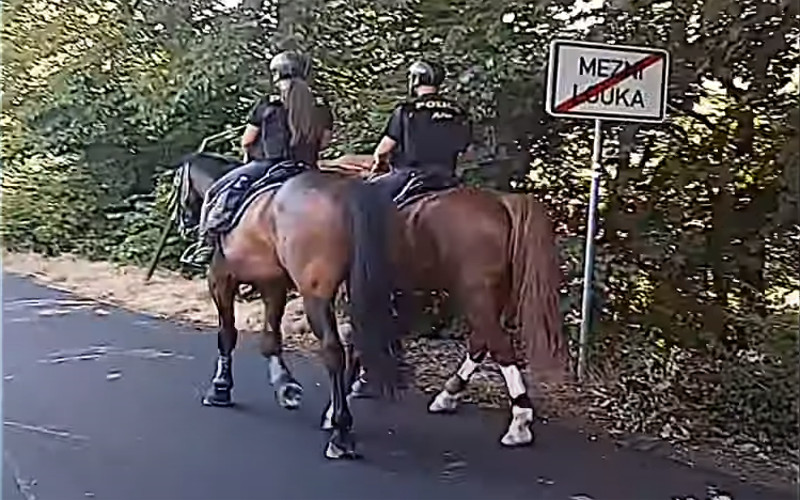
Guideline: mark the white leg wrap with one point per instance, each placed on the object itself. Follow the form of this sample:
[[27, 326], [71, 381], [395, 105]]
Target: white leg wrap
[[223, 366], [443, 402], [327, 420], [514, 381], [275, 369], [447, 401], [467, 368], [519, 430]]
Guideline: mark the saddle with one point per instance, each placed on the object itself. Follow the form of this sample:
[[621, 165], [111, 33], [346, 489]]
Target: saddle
[[232, 199], [421, 185]]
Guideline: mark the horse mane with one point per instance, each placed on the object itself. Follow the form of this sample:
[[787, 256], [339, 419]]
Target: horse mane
[[211, 164]]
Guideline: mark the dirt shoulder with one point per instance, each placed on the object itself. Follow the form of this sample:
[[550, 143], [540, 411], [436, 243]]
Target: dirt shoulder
[[169, 295]]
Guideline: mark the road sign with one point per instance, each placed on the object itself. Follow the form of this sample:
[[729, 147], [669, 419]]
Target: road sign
[[607, 82], [603, 82]]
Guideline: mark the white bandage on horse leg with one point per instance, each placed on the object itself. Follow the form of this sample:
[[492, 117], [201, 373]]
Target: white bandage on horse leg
[[466, 369], [519, 429], [447, 399], [276, 369], [514, 381], [327, 418]]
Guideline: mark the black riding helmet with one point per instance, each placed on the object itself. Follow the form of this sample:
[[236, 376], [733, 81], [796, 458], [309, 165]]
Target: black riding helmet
[[425, 73], [289, 64]]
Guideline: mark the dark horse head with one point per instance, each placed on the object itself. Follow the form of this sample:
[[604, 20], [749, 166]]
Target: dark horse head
[[195, 175]]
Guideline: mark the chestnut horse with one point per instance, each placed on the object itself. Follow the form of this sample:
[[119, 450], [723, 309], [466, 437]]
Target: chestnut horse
[[315, 232], [495, 254]]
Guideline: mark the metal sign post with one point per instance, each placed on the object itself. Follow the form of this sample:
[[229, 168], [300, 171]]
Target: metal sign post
[[588, 259], [603, 82]]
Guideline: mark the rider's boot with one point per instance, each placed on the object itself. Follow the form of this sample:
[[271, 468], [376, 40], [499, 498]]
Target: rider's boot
[[199, 254]]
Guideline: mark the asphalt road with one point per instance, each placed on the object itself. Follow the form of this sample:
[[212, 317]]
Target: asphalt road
[[103, 403]]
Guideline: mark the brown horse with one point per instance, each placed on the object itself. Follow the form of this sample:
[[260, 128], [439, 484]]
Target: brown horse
[[317, 231], [495, 254]]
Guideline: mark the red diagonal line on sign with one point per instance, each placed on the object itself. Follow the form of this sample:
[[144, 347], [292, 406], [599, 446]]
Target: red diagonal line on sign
[[607, 83]]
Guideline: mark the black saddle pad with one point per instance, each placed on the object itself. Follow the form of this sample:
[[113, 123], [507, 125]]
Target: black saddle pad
[[421, 184], [274, 177], [278, 174]]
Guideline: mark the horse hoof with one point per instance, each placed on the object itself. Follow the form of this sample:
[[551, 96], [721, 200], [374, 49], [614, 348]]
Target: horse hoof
[[517, 438], [218, 397], [444, 402], [341, 451], [289, 395]]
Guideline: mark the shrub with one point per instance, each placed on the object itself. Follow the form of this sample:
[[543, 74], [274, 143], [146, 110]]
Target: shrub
[[51, 205]]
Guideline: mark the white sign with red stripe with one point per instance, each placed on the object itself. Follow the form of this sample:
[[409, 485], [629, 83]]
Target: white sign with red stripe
[[607, 82]]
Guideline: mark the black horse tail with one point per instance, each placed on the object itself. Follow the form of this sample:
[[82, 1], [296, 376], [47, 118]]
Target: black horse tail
[[371, 283]]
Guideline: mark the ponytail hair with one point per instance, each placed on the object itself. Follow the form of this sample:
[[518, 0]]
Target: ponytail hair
[[301, 110]]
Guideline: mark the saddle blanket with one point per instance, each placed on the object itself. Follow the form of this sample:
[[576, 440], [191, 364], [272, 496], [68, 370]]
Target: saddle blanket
[[238, 195]]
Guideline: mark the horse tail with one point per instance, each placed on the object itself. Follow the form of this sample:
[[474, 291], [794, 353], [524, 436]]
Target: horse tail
[[535, 283], [371, 282]]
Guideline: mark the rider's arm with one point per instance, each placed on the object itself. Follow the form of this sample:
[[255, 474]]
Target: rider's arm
[[253, 128], [381, 155], [249, 136], [391, 136]]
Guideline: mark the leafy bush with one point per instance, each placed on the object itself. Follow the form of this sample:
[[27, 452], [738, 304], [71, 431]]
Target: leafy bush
[[757, 393], [679, 393], [138, 228], [51, 205]]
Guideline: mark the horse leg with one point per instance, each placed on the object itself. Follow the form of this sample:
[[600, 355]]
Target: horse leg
[[447, 400], [352, 364], [222, 286], [405, 305], [321, 317], [483, 314], [288, 391], [352, 374]]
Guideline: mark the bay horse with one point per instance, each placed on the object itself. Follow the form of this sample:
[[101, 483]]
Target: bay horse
[[315, 232], [495, 254]]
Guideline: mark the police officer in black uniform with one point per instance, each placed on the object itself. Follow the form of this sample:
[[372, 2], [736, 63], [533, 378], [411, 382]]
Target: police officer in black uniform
[[422, 140], [294, 126], [267, 136], [424, 136]]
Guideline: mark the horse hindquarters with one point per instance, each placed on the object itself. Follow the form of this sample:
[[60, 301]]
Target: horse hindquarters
[[330, 228], [465, 233]]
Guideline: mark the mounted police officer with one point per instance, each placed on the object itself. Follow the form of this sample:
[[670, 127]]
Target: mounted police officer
[[424, 135], [290, 127], [421, 142]]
